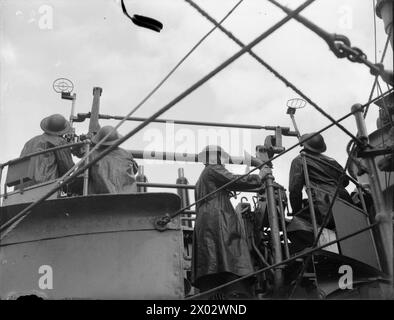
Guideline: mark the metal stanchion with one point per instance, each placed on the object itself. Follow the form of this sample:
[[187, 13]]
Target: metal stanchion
[[86, 174], [383, 215], [141, 178], [291, 111], [274, 226], [283, 223], [183, 193], [1, 175]]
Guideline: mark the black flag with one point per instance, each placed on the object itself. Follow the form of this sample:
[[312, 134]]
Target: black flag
[[142, 21]]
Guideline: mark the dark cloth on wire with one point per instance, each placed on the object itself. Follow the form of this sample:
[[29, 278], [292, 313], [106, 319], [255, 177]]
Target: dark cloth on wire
[[219, 239], [114, 173], [48, 166]]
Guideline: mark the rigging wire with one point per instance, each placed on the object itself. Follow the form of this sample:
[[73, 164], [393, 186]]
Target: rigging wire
[[310, 252], [276, 265], [151, 93], [17, 218], [266, 162], [10, 224], [334, 122], [270, 68]]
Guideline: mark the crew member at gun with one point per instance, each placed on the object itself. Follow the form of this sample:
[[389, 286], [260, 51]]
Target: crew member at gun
[[220, 251], [115, 172], [325, 175], [52, 165]]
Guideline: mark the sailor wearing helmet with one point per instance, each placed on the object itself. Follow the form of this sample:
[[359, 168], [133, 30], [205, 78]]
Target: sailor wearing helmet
[[115, 172], [52, 165], [220, 251], [325, 175]]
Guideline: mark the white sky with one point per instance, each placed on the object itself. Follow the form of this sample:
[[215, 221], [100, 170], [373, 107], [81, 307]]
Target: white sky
[[92, 43]]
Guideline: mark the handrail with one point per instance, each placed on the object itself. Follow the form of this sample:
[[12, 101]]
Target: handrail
[[184, 157], [165, 185], [181, 186], [28, 156], [285, 130]]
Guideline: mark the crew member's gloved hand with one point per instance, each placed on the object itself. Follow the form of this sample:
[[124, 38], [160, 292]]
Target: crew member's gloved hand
[[78, 151], [264, 171]]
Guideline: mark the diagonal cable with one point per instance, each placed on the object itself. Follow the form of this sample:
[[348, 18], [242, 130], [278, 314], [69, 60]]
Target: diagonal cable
[[284, 262], [151, 93], [167, 218], [10, 224], [158, 113], [270, 68]]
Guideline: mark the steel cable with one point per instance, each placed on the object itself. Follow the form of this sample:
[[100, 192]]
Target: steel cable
[[24, 212], [270, 68], [151, 93], [308, 252], [269, 160]]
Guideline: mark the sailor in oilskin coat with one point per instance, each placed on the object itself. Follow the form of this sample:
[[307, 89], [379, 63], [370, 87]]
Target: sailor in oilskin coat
[[220, 251], [52, 165], [115, 172], [325, 176]]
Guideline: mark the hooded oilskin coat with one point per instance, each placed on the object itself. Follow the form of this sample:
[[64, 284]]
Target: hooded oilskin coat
[[324, 175], [219, 240], [47, 166], [114, 173]]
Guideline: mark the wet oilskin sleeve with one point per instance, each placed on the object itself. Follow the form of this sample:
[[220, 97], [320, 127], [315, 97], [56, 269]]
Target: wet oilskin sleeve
[[296, 184], [64, 160], [222, 176], [114, 173], [47, 166], [219, 240]]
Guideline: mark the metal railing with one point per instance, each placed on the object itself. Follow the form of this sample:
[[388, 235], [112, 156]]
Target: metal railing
[[31, 155]]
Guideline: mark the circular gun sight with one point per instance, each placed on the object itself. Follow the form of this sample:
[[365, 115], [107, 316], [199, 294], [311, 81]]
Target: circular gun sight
[[296, 103], [63, 85]]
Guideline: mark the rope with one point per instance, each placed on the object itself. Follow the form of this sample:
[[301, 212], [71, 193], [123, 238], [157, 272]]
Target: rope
[[151, 93], [180, 97], [270, 68], [308, 252]]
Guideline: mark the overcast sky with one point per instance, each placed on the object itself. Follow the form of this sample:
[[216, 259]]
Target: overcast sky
[[92, 43]]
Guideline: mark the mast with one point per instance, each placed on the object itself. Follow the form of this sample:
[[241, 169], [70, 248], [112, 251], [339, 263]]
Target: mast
[[94, 126]]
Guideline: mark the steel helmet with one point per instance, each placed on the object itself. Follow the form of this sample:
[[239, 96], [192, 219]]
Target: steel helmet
[[55, 124], [213, 154], [314, 144], [110, 140]]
